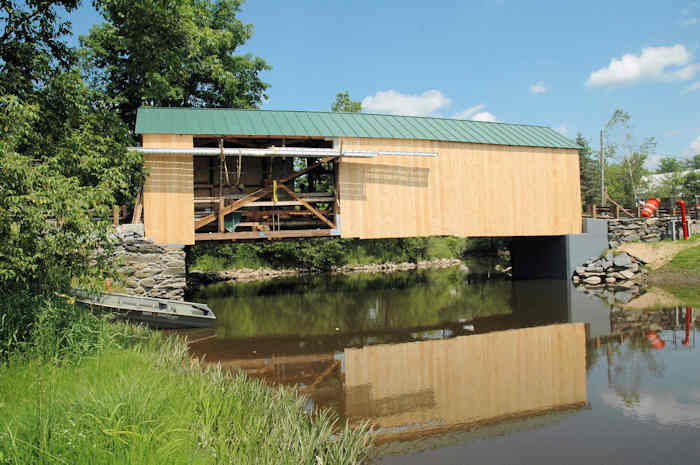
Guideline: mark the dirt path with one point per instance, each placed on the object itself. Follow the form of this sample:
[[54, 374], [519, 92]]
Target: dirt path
[[656, 254]]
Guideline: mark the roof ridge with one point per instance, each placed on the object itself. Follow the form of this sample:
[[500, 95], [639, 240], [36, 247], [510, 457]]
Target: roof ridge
[[445, 118]]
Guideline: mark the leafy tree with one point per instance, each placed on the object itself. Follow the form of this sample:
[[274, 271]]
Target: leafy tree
[[343, 103], [691, 184], [589, 172], [693, 163], [669, 165], [173, 53], [31, 46], [671, 185], [624, 158], [52, 226]]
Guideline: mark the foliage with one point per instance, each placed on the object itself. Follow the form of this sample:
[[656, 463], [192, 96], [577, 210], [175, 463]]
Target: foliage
[[625, 159], [693, 163], [589, 172], [343, 103], [322, 254], [31, 45], [150, 404], [173, 53], [624, 179], [691, 184], [669, 165], [52, 226], [671, 185]]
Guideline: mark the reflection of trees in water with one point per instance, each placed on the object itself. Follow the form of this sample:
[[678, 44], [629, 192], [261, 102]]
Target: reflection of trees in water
[[629, 364], [316, 306]]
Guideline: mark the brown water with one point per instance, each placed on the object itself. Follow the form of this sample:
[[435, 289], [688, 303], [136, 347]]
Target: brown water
[[455, 369]]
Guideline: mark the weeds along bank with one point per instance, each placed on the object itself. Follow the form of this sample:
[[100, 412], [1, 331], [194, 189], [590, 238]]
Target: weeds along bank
[[80, 390]]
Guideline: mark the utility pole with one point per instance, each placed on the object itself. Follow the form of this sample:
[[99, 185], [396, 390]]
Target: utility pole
[[602, 171]]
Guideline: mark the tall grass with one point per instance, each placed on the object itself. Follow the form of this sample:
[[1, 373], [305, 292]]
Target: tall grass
[[110, 400]]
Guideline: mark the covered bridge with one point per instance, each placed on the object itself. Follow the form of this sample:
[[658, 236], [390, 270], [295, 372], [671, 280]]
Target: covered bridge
[[224, 174]]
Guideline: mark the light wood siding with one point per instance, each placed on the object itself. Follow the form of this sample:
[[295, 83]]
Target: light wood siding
[[467, 190], [168, 195], [468, 379]]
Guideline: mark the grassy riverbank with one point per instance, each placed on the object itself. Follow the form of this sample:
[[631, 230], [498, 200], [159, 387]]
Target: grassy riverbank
[[681, 275], [326, 253], [83, 391]]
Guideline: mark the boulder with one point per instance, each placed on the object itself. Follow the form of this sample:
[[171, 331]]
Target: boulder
[[594, 269], [622, 260], [627, 274], [623, 296], [627, 284], [592, 280], [610, 280]]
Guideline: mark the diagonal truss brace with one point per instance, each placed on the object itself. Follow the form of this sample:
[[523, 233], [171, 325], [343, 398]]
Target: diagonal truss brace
[[253, 196], [308, 206]]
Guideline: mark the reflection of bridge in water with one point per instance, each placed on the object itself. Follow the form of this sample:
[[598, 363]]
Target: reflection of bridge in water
[[432, 386], [428, 380]]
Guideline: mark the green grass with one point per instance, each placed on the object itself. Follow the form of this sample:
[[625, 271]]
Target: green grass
[[683, 276], [689, 295], [82, 391], [688, 259]]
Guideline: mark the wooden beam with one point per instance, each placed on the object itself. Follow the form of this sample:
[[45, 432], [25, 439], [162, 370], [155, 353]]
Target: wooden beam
[[233, 207], [138, 208], [619, 207], [335, 365], [336, 189], [221, 216], [308, 206], [261, 235], [270, 203], [253, 196]]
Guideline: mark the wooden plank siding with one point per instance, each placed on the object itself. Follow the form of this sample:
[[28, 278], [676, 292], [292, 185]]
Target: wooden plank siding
[[467, 190], [468, 379], [168, 194]]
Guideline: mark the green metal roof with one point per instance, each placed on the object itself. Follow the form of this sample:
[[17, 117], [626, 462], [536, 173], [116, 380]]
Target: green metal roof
[[209, 121]]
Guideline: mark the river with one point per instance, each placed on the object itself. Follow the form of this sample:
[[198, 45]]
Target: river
[[450, 367]]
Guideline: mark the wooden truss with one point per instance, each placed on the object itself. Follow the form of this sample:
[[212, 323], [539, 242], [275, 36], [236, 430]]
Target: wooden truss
[[247, 200]]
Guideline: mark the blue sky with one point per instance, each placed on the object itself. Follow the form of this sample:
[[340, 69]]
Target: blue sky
[[561, 64]]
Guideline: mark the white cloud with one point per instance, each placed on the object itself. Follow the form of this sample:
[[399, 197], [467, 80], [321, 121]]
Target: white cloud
[[485, 116], [396, 103], [475, 114], [469, 112], [691, 88], [538, 88], [695, 146], [562, 129], [689, 21], [664, 409], [653, 64]]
